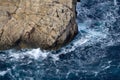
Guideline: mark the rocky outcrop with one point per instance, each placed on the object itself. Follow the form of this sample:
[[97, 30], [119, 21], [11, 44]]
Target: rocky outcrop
[[48, 24]]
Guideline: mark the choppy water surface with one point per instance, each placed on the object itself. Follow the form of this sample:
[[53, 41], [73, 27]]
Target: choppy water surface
[[93, 55]]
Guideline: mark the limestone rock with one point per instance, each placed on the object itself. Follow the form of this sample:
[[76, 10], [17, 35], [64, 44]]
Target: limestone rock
[[48, 24]]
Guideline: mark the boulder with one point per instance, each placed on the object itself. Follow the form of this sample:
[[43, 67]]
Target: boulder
[[48, 24]]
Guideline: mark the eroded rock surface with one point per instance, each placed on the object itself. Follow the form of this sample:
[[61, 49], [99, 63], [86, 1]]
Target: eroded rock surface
[[48, 24]]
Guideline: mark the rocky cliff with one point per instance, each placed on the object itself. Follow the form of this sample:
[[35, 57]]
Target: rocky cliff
[[48, 24]]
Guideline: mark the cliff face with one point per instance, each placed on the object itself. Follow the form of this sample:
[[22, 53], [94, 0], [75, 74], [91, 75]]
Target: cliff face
[[48, 24]]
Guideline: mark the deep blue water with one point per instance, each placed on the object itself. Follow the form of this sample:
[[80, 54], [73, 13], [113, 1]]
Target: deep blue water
[[94, 54]]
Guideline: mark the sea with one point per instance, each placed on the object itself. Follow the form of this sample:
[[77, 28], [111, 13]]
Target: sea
[[94, 54]]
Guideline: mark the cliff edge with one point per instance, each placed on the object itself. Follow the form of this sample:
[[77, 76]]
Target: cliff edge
[[48, 24]]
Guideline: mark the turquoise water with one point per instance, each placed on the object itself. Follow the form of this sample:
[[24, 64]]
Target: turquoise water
[[94, 54]]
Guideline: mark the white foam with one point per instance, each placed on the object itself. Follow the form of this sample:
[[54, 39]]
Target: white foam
[[81, 41], [84, 25], [55, 57], [76, 43], [107, 67], [37, 53], [34, 53], [115, 2], [2, 73], [96, 73], [15, 55]]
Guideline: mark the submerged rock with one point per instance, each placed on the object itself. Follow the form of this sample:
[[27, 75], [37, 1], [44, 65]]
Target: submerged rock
[[48, 24]]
